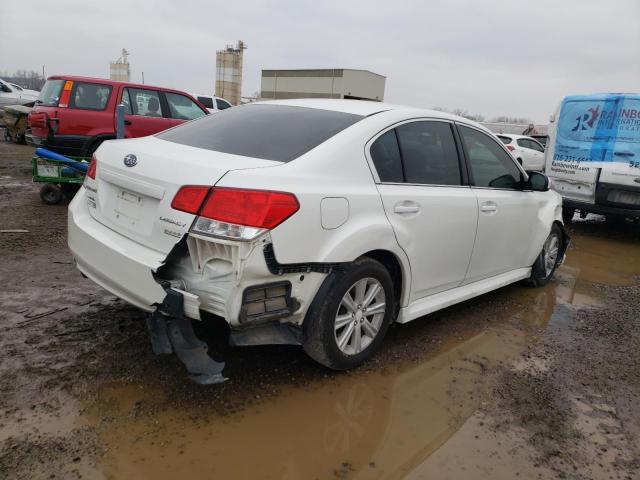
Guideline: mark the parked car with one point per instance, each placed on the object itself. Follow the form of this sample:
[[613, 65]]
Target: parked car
[[12, 94], [329, 219], [212, 103], [528, 152], [593, 155], [74, 115], [541, 139]]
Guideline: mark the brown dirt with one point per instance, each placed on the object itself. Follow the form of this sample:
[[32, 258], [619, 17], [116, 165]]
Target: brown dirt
[[533, 383]]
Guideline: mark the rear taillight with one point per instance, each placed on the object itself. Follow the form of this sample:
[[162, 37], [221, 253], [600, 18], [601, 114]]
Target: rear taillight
[[240, 214], [189, 198], [91, 171], [66, 94], [511, 148]]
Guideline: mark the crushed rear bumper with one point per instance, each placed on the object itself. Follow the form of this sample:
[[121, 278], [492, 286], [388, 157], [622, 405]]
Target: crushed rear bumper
[[116, 263]]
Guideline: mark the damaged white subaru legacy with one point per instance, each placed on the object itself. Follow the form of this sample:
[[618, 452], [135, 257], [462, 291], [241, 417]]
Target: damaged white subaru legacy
[[312, 222]]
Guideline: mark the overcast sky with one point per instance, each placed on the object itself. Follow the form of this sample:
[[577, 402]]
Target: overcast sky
[[492, 57]]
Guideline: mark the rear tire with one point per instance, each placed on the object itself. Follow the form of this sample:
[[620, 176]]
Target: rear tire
[[549, 258], [51, 194], [350, 315]]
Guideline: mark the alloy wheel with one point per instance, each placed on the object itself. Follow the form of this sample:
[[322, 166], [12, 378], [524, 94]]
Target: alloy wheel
[[359, 316]]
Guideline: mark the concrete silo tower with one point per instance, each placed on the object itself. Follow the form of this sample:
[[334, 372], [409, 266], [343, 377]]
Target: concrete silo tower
[[229, 72]]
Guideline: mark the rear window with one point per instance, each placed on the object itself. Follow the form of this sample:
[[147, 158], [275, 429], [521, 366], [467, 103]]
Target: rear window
[[505, 140], [90, 96], [206, 101], [271, 132], [50, 93]]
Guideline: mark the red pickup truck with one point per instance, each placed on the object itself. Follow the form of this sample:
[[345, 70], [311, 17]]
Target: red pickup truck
[[73, 115]]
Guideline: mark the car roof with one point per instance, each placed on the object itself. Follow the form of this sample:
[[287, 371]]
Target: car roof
[[366, 108]]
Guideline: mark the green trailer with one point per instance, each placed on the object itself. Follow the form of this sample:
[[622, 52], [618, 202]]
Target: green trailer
[[59, 180]]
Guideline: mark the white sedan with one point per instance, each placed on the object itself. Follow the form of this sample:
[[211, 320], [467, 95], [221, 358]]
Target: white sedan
[[316, 222], [12, 94], [528, 151]]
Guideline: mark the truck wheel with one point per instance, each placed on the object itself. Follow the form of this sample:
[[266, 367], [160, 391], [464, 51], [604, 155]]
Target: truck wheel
[[51, 194], [350, 315], [545, 265], [567, 214]]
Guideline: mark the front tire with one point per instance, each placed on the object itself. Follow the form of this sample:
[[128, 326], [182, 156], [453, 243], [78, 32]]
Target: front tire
[[350, 315], [545, 265]]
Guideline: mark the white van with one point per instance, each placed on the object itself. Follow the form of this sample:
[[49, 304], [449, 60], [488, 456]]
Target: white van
[[211, 103], [593, 155]]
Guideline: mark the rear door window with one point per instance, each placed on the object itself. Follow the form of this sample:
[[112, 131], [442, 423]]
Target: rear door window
[[206, 101], [143, 102], [182, 107], [90, 96], [270, 132], [50, 93], [429, 153]]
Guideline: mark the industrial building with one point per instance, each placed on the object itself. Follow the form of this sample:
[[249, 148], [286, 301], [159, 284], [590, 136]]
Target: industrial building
[[119, 70], [322, 83], [229, 72]]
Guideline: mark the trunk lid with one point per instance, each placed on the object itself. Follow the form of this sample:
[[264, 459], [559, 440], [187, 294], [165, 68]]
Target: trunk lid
[[134, 197]]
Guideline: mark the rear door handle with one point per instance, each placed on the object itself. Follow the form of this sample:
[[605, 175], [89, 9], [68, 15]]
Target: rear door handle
[[489, 207], [406, 207]]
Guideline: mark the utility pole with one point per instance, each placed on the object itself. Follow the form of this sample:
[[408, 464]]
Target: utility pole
[[143, 78]]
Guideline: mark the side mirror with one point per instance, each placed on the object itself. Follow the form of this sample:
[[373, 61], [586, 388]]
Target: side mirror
[[538, 182]]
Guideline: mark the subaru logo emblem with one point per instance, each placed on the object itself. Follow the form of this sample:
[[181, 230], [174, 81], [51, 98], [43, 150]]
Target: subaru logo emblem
[[130, 160]]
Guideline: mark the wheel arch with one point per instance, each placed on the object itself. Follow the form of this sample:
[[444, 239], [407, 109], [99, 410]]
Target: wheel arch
[[400, 274]]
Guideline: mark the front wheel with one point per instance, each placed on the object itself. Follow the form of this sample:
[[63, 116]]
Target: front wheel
[[350, 315], [549, 258]]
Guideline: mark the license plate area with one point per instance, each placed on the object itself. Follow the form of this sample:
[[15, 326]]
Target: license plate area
[[46, 169], [126, 209]]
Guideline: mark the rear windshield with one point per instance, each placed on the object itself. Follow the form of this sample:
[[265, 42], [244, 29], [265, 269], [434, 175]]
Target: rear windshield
[[206, 101], [50, 93], [271, 132], [505, 140]]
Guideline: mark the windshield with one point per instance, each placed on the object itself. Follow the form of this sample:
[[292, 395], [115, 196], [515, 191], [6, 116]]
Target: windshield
[[270, 132], [50, 94]]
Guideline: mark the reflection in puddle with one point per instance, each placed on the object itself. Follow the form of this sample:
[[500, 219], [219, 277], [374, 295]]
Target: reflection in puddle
[[384, 424]]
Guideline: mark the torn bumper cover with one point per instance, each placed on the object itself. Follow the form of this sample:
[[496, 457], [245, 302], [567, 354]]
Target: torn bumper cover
[[171, 331]]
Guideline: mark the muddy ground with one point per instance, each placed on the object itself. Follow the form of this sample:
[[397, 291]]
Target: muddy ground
[[519, 383]]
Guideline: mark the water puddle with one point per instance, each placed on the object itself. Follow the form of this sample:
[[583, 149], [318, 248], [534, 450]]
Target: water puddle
[[411, 419]]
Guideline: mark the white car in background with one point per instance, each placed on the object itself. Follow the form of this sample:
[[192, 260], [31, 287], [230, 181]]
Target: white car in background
[[528, 151], [211, 103], [316, 222], [12, 94]]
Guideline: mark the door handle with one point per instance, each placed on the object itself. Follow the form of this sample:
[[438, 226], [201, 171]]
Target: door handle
[[489, 207], [406, 207], [127, 122]]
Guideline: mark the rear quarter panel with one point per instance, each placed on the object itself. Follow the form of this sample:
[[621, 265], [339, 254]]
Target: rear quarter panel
[[336, 169]]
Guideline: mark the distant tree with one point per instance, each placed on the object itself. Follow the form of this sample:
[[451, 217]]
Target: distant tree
[[25, 78], [507, 119], [462, 113]]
